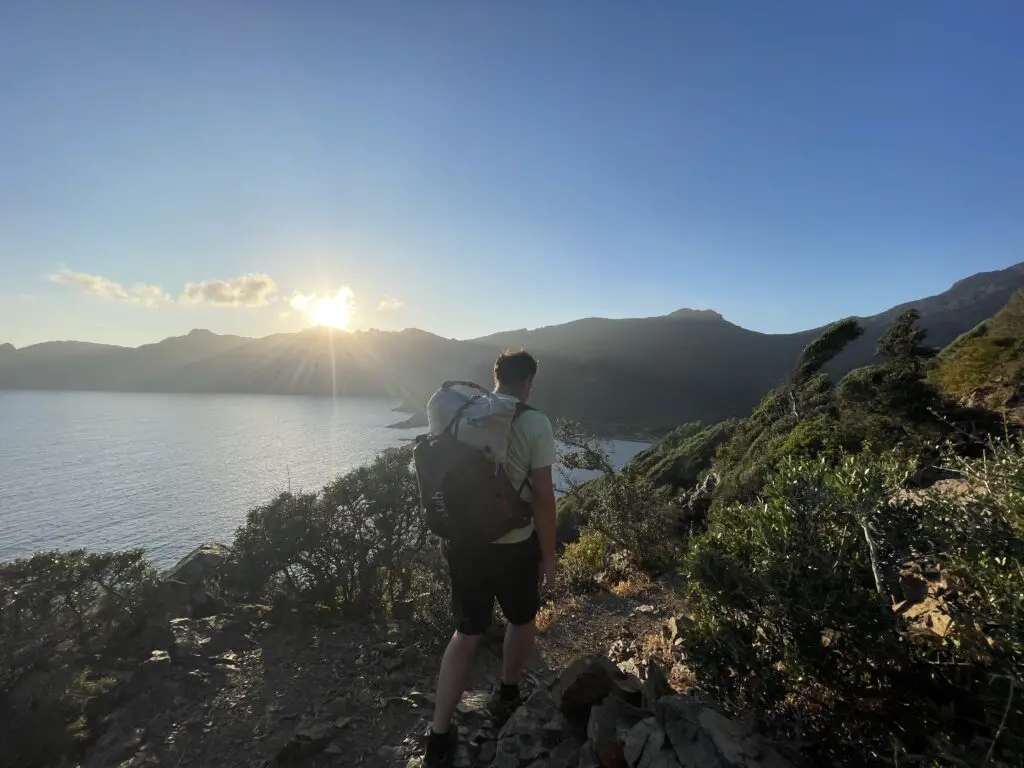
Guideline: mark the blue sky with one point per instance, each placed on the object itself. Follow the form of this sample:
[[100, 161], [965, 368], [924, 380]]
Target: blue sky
[[467, 167]]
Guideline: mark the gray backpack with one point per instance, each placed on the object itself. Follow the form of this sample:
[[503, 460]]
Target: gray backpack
[[466, 496]]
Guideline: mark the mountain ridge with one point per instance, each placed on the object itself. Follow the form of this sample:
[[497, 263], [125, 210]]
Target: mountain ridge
[[649, 373]]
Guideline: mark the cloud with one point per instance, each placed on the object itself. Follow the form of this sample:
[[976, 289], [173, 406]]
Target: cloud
[[252, 290], [300, 301], [105, 288], [388, 303], [150, 295]]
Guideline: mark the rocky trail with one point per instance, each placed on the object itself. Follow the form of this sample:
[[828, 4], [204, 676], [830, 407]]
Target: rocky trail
[[250, 686]]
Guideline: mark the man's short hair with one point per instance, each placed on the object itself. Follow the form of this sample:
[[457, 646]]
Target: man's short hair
[[513, 367]]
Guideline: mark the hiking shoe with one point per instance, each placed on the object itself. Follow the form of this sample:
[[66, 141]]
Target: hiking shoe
[[440, 750], [500, 707]]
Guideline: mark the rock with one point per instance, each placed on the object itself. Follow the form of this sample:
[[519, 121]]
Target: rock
[[609, 725], [487, 751], [602, 732], [587, 681], [200, 564], [506, 754], [523, 734], [565, 755], [679, 716], [647, 609], [315, 731], [588, 757], [461, 759], [629, 688], [633, 667], [185, 588], [555, 729], [645, 736], [655, 686]]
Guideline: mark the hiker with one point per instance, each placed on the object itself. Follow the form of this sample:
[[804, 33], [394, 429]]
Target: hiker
[[510, 568]]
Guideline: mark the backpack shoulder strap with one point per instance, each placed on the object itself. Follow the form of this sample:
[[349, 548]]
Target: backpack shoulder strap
[[522, 408]]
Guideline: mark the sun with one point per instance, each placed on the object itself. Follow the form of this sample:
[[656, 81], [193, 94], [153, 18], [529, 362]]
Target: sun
[[332, 311]]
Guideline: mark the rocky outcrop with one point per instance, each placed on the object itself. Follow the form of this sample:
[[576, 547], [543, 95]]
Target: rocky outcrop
[[190, 587], [597, 716], [645, 724]]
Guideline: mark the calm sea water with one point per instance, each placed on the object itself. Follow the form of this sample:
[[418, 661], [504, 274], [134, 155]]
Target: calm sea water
[[167, 472]]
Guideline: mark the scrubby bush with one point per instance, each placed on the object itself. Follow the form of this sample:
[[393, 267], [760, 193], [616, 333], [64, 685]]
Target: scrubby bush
[[807, 607], [636, 516], [351, 546], [59, 612], [581, 561], [682, 457]]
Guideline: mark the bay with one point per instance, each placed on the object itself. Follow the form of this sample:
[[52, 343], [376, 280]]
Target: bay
[[165, 472]]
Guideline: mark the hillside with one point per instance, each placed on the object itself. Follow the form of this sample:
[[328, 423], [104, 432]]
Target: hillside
[[620, 375], [985, 366]]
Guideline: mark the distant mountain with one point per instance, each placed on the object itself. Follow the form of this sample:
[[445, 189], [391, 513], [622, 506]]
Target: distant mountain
[[620, 374], [966, 304]]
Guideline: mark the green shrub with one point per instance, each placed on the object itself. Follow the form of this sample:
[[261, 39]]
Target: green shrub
[[351, 546], [59, 612], [636, 516], [581, 561], [793, 610]]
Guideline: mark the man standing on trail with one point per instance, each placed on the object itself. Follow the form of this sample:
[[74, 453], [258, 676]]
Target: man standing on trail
[[509, 569]]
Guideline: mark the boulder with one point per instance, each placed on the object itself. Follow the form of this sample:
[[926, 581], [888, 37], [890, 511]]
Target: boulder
[[666, 730], [186, 589], [586, 683], [200, 565]]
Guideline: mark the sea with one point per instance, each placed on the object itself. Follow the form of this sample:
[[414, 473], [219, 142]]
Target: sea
[[166, 472]]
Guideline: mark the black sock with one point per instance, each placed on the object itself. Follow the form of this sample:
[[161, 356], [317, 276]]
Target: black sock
[[438, 743], [509, 692]]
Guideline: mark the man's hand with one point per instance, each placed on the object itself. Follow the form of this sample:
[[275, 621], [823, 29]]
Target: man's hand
[[547, 573]]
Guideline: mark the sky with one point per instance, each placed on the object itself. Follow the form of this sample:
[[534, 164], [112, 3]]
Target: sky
[[465, 167]]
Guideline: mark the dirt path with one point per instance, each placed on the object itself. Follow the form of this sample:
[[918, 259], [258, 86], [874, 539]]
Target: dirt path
[[619, 625], [343, 694]]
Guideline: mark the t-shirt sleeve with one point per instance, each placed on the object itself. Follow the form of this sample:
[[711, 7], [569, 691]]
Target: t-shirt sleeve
[[542, 443]]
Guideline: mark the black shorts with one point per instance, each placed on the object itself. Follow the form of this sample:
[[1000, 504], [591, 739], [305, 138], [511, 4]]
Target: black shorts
[[508, 572]]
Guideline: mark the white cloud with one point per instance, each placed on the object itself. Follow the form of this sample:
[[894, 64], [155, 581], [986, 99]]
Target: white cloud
[[252, 290], [96, 285], [388, 303], [300, 302], [149, 295]]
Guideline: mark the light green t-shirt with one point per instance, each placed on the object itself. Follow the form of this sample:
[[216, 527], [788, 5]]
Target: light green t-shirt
[[531, 445]]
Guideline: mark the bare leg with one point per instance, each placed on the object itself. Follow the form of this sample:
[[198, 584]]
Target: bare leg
[[518, 644], [456, 666]]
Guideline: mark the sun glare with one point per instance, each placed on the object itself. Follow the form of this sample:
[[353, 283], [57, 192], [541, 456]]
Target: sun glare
[[332, 311]]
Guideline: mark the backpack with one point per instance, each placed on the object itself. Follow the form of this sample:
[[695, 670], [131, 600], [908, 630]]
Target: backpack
[[465, 493]]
